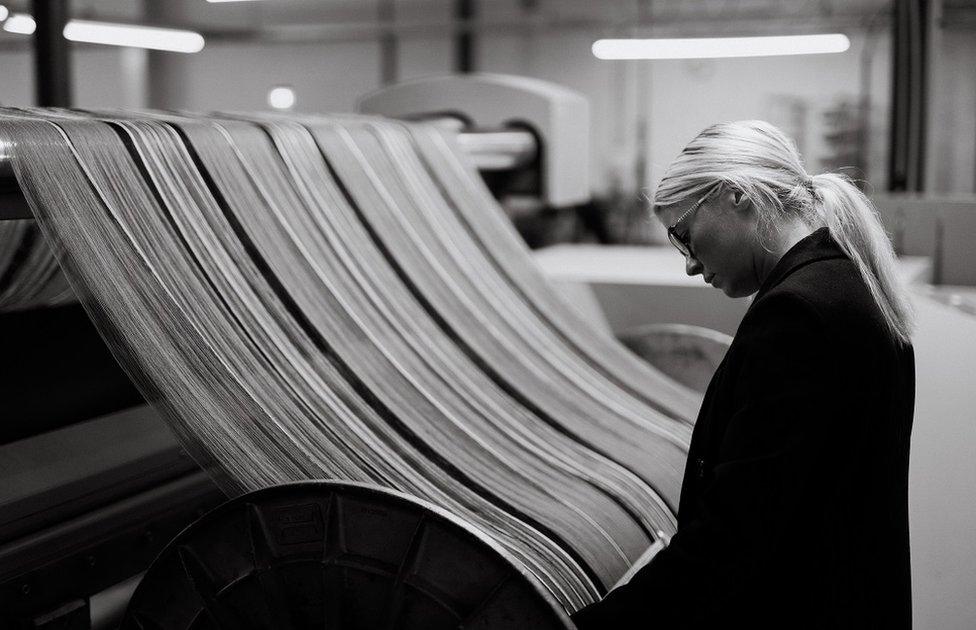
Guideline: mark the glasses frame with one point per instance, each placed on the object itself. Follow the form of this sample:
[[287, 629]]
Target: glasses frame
[[682, 244]]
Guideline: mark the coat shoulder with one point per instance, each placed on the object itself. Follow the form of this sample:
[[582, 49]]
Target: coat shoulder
[[835, 294]]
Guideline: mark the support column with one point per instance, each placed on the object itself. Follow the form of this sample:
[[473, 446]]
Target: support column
[[52, 59], [951, 139], [464, 13], [167, 71], [389, 49], [909, 99]]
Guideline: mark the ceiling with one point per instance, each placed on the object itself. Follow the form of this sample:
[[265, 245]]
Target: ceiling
[[323, 20]]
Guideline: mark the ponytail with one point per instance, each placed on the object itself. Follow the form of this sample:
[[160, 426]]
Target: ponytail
[[758, 159], [855, 225]]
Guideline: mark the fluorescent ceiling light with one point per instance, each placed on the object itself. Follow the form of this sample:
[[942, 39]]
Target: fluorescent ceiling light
[[152, 37], [715, 47], [20, 23], [4, 12], [136, 36]]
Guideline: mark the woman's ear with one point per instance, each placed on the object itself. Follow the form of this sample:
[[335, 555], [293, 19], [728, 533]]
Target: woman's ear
[[739, 201]]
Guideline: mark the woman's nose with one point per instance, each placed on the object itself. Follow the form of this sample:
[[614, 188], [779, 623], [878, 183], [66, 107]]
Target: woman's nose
[[692, 266]]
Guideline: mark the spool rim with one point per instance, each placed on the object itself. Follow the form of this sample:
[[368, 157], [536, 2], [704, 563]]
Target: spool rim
[[355, 490]]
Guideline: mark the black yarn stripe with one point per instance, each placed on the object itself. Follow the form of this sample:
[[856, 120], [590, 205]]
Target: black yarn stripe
[[478, 360], [558, 330], [372, 399], [487, 369], [140, 166]]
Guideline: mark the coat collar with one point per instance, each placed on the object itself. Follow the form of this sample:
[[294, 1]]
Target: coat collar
[[819, 245]]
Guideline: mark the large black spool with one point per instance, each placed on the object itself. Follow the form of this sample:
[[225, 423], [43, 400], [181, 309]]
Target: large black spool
[[337, 555]]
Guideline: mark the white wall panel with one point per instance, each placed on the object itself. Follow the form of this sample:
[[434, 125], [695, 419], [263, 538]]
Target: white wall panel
[[325, 77]]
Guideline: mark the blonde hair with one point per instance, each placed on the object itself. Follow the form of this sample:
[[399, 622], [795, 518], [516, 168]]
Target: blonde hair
[[756, 158]]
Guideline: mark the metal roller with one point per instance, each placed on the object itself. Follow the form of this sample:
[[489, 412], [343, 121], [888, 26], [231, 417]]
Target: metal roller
[[491, 150], [498, 150], [338, 555]]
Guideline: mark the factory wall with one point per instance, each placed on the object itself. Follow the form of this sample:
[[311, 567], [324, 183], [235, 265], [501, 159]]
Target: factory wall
[[326, 78], [679, 98], [16, 78], [952, 113], [103, 77]]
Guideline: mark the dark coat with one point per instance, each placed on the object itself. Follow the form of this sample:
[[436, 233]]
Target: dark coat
[[794, 506]]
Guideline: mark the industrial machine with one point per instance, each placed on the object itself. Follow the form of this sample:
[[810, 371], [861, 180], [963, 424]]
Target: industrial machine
[[527, 136], [93, 485]]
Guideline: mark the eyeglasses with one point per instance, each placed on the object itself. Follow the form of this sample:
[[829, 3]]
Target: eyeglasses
[[681, 243]]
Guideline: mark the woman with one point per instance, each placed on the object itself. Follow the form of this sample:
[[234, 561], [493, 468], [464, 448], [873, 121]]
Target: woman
[[793, 509]]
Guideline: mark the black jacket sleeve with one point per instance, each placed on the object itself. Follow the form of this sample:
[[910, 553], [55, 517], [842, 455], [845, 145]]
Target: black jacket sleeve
[[764, 480]]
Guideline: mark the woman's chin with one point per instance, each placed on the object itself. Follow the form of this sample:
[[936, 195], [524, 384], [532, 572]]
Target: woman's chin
[[728, 290], [733, 292]]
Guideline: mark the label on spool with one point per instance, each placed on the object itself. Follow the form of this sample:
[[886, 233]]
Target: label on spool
[[297, 524]]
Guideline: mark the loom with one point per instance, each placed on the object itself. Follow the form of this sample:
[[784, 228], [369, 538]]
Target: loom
[[93, 503], [59, 547]]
